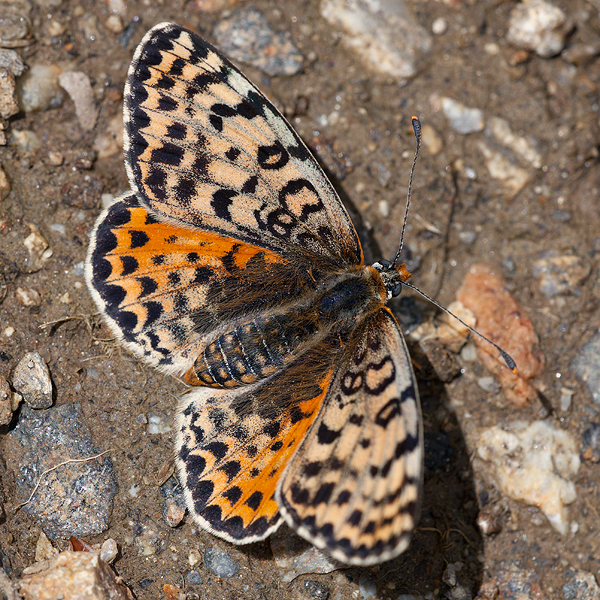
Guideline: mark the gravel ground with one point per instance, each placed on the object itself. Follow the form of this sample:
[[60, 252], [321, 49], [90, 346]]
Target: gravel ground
[[513, 184]]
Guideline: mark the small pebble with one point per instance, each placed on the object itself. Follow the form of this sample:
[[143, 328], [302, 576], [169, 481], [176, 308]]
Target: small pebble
[[174, 507], [72, 575], [467, 237], [150, 540], [367, 587], [28, 296], [55, 158], [488, 522], [83, 194], [31, 379], [38, 249], [469, 352], [114, 24], [294, 556], [220, 563], [580, 585], [109, 550], [384, 34], [193, 578], [26, 140], [10, 60], [431, 139], [439, 26], [559, 274], [539, 26], [449, 576], [514, 582], [6, 410], [566, 398], [14, 25], [77, 85], [44, 548], [158, 424], [5, 186], [462, 119], [247, 36], [39, 90], [194, 557], [512, 177], [316, 590], [485, 294], [590, 443], [535, 463], [489, 384], [9, 104], [562, 216], [75, 498], [527, 149], [509, 264], [580, 54]]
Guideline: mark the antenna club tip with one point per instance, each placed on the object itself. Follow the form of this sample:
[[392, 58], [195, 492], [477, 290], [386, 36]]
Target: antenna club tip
[[510, 363], [416, 124]]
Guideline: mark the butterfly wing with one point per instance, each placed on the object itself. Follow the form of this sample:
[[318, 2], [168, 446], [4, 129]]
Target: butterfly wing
[[353, 485], [233, 444], [205, 149], [164, 289]]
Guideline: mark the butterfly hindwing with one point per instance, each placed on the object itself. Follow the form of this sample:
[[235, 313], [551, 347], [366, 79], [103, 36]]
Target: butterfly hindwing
[[204, 148], [233, 445], [353, 486]]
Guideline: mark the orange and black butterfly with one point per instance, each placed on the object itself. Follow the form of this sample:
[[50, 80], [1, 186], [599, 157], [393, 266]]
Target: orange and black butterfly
[[233, 264]]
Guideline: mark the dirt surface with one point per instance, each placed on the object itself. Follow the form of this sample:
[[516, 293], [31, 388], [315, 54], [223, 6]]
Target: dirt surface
[[548, 99]]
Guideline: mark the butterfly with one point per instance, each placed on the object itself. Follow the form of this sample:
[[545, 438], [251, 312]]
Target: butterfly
[[232, 264]]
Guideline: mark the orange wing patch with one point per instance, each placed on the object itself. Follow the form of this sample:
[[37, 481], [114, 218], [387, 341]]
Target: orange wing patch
[[163, 287], [230, 460]]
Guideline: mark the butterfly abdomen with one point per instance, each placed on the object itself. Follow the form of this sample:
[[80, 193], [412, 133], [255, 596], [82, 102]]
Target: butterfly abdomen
[[253, 350]]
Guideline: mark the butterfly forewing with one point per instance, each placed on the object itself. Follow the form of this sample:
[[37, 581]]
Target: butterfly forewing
[[205, 148], [167, 291], [353, 486]]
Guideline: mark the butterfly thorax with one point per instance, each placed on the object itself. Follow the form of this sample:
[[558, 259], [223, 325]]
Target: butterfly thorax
[[265, 342]]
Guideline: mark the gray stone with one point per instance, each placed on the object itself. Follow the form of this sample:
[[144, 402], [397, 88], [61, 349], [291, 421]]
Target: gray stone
[[247, 36], [586, 366], [31, 379], [384, 34], [580, 586], [220, 563], [75, 498], [11, 61]]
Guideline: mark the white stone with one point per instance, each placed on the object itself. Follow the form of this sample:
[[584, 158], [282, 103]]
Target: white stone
[[539, 26], [383, 33], [462, 119], [534, 463]]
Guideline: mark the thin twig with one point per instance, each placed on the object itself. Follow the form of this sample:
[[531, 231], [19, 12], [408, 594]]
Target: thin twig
[[66, 462]]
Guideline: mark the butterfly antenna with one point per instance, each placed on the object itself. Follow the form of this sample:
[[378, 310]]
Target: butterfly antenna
[[510, 363], [417, 129]]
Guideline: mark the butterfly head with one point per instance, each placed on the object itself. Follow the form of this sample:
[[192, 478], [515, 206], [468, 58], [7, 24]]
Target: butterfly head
[[393, 276]]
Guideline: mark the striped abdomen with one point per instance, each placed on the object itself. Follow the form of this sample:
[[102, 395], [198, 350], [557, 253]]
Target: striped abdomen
[[252, 351]]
